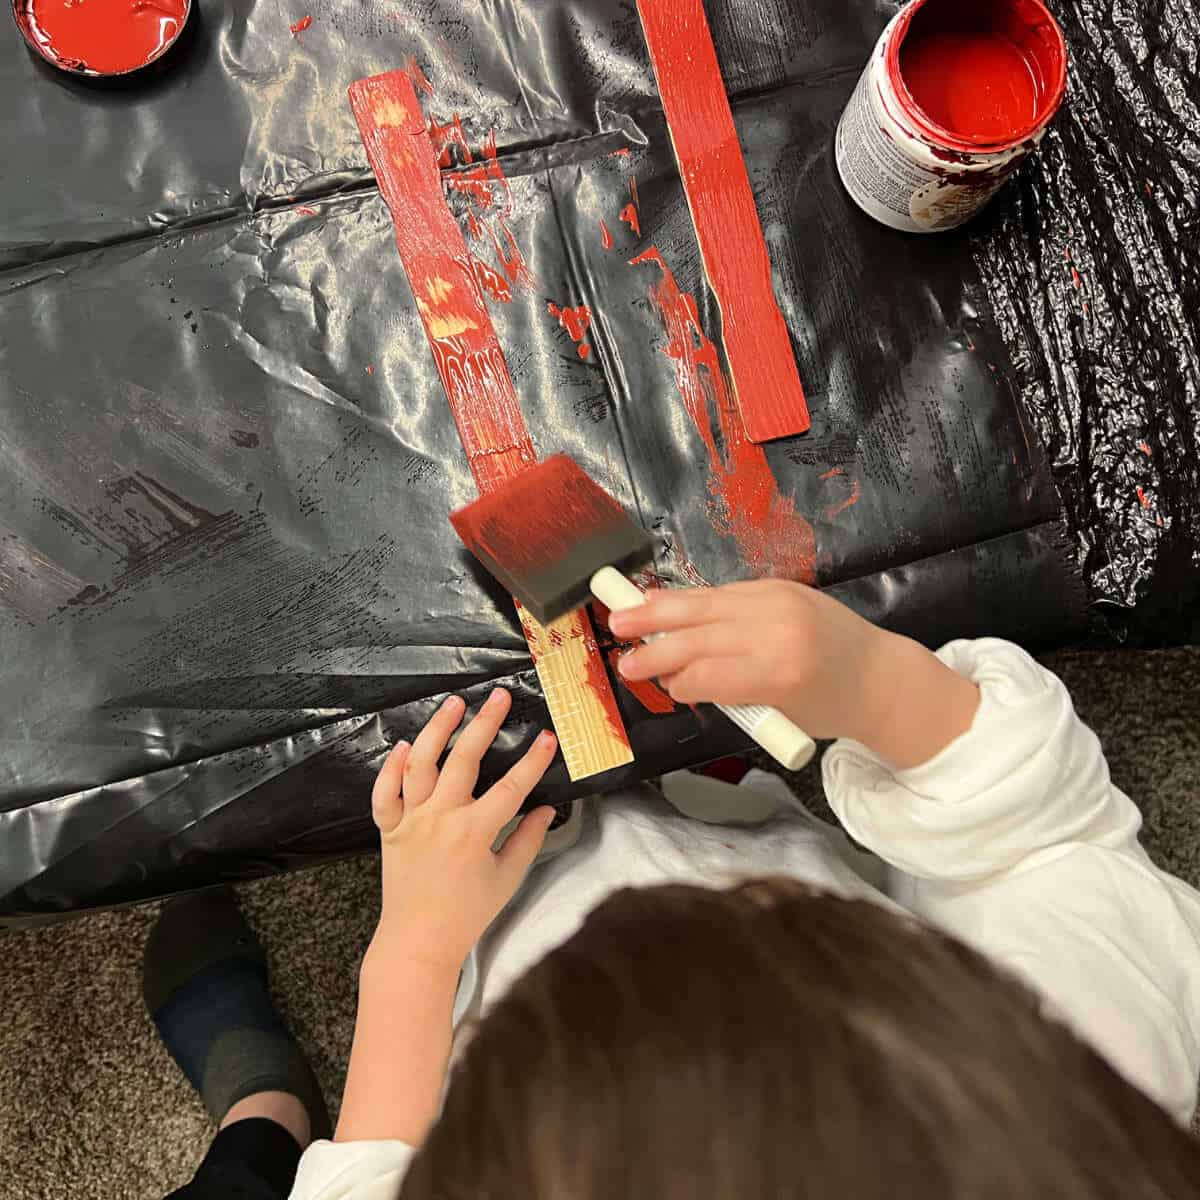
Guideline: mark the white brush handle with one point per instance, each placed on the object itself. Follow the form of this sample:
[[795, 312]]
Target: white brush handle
[[780, 737]]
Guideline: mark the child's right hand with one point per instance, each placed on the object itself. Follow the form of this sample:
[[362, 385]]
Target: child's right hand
[[781, 643]]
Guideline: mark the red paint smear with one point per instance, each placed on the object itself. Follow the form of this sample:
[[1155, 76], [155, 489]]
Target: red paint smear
[[465, 348], [855, 493], [765, 383], [773, 537], [513, 260], [629, 215], [420, 82], [492, 282], [103, 36], [622, 153], [473, 227], [834, 473], [576, 322], [606, 238], [301, 25], [306, 211], [647, 693], [597, 677], [978, 75], [1143, 499], [1075, 278], [1145, 449], [445, 136]]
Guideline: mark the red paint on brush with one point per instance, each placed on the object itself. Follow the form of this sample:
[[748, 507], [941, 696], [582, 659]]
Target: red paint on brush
[[766, 385], [106, 37], [645, 691], [606, 238], [576, 322], [745, 502], [984, 75], [301, 25]]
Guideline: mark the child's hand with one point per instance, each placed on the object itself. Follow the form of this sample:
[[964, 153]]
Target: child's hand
[[442, 885], [780, 643]]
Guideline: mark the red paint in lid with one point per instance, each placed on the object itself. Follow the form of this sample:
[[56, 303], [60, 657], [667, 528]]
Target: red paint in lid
[[978, 77], [101, 37]]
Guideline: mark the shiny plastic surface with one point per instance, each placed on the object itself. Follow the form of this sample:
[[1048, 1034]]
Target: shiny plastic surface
[[227, 577]]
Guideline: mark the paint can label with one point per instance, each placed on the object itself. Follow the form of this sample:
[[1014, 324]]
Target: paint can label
[[891, 185]]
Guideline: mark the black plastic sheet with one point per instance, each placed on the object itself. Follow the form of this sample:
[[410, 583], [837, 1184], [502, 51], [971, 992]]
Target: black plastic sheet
[[227, 581]]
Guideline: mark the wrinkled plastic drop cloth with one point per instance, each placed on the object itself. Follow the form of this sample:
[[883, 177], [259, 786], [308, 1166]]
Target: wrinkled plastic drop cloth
[[227, 581]]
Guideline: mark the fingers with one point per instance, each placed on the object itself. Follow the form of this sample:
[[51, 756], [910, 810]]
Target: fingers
[[387, 804], [503, 800], [517, 854], [719, 681], [672, 653], [421, 769], [460, 772], [665, 611]]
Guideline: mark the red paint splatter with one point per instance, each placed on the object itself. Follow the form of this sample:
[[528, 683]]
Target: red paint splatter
[[597, 677], [420, 82], [832, 474], [301, 25], [445, 136], [630, 217], [855, 493], [622, 153], [1075, 279], [647, 693], [473, 226], [576, 322], [492, 282], [304, 210], [556, 638], [370, 369], [1067, 253], [745, 502], [1145, 449], [606, 238], [1143, 499], [512, 259]]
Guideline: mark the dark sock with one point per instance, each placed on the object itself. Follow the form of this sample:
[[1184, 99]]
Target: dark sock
[[204, 979]]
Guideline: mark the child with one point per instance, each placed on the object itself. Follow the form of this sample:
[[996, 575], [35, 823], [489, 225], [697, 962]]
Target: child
[[802, 1034]]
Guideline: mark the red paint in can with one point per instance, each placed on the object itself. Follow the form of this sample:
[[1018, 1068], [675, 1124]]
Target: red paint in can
[[101, 37]]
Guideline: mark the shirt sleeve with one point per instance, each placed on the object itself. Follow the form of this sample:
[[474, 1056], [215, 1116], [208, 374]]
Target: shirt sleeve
[[352, 1171], [1027, 777]]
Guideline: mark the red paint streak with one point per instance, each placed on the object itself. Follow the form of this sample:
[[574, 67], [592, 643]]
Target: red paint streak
[[1143, 499], [597, 677], [606, 238], [420, 82], [978, 75], [647, 693], [576, 322], [445, 136], [745, 503], [836, 471], [105, 37], [301, 25], [512, 259], [855, 493], [622, 153], [1145, 449], [1075, 278], [306, 211], [492, 282], [765, 384]]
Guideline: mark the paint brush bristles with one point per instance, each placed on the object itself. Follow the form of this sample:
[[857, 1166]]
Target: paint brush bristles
[[547, 531]]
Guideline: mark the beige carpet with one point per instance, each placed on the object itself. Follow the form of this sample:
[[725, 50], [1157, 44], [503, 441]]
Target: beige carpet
[[91, 1107]]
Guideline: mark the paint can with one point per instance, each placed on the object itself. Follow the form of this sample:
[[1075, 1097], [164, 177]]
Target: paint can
[[954, 98]]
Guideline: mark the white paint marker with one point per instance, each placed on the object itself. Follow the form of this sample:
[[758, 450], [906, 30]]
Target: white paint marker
[[779, 736]]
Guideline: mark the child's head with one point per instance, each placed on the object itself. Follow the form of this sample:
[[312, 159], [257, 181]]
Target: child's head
[[774, 1041]]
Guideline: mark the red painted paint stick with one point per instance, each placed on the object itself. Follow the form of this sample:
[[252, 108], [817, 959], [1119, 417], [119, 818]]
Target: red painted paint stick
[[762, 366]]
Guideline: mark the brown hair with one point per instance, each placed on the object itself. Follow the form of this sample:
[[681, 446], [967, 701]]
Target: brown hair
[[775, 1041]]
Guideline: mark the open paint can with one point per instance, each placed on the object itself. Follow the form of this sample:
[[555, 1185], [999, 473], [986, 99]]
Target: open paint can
[[953, 100], [101, 38]]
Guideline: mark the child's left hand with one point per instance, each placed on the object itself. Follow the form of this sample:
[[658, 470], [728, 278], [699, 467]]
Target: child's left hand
[[442, 884]]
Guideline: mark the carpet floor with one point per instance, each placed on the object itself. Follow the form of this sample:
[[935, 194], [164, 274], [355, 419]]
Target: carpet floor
[[91, 1106]]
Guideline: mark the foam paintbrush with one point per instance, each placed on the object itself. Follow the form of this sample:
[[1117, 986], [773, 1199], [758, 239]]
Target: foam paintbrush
[[555, 538]]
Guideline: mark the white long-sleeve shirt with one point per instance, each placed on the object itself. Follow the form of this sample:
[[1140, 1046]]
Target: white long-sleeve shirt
[[1013, 839]]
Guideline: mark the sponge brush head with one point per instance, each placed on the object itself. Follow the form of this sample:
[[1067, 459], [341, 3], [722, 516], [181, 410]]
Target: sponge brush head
[[545, 534]]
